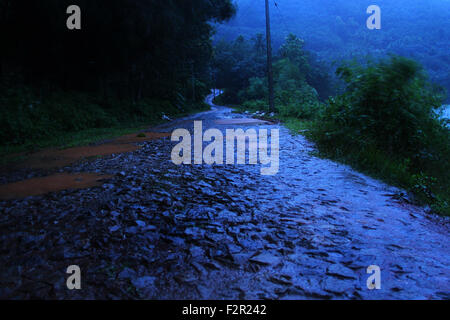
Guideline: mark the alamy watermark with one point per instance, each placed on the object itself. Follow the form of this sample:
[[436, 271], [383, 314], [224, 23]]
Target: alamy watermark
[[216, 153], [374, 280], [74, 20], [374, 21], [74, 280]]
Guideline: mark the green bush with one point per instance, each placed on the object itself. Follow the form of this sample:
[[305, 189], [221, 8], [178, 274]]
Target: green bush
[[257, 89], [255, 105], [27, 118], [294, 97], [299, 102], [386, 122]]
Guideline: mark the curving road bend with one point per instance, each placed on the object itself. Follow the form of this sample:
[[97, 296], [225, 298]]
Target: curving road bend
[[161, 231]]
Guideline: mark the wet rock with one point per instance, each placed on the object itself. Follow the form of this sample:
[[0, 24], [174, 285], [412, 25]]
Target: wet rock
[[132, 230], [280, 281], [196, 251], [144, 283], [211, 265], [127, 273], [114, 228], [233, 249], [204, 184], [150, 228], [341, 272], [227, 262], [266, 259], [203, 291], [340, 287], [140, 223]]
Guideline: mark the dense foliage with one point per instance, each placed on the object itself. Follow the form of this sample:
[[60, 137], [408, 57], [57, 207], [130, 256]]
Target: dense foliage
[[387, 122], [336, 30], [384, 118], [130, 55], [241, 69]]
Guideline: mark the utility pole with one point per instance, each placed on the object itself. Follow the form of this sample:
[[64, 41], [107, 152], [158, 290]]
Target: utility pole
[[269, 60]]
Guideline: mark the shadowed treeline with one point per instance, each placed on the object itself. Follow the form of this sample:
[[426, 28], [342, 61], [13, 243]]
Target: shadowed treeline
[[131, 59], [336, 29], [379, 112]]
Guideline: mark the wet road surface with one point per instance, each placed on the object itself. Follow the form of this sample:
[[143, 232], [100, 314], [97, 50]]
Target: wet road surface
[[161, 231]]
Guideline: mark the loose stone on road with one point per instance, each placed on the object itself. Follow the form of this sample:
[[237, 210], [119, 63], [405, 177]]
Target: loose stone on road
[[160, 231]]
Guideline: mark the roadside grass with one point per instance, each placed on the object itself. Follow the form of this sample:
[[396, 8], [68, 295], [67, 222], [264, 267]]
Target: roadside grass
[[63, 140], [379, 165], [69, 140], [373, 162]]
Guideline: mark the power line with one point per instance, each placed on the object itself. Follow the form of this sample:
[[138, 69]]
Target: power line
[[281, 17], [244, 13]]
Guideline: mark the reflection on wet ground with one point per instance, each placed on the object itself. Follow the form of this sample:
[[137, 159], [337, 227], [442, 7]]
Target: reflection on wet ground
[[160, 231], [51, 183]]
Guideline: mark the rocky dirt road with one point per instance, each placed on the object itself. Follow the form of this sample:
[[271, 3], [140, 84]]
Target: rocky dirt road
[[160, 231]]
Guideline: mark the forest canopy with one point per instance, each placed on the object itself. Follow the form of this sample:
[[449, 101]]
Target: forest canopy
[[335, 30], [131, 47], [131, 59]]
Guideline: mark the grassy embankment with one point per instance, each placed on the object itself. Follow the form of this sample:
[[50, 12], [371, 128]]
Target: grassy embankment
[[69, 120], [384, 125]]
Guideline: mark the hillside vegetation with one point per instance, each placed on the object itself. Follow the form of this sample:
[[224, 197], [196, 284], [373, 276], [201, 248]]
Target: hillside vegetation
[[385, 121], [335, 30]]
